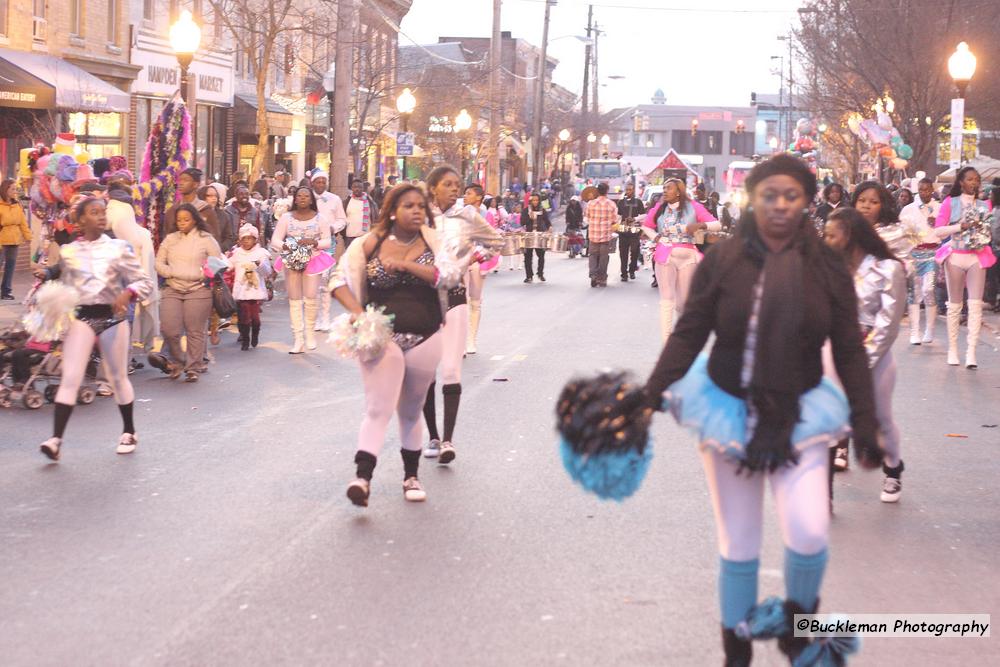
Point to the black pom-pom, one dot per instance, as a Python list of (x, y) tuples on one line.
[(603, 414)]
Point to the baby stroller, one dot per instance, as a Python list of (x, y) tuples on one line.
[(30, 375), (575, 242)]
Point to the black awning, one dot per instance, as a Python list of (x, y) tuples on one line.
[(22, 90), (72, 88)]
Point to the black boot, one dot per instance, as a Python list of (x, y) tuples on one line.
[(788, 643), (254, 334), (738, 651), (244, 336)]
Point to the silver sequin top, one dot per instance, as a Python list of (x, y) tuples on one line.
[(881, 288), (101, 269)]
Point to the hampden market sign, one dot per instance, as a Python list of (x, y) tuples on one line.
[(161, 76)]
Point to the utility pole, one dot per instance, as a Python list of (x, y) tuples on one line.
[(340, 163), (585, 125), (597, 81), (493, 165), (538, 152)]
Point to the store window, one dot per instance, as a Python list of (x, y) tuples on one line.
[(99, 134), (210, 140), (219, 142), (114, 13), (146, 112), (148, 10), (201, 139), (3, 18), (76, 17), (39, 25)]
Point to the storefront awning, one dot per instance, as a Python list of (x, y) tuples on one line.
[(22, 90), (68, 87), (279, 119)]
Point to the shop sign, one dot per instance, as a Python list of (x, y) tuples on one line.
[(161, 75)]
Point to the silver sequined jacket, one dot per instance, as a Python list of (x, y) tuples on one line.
[(881, 288), (100, 270)]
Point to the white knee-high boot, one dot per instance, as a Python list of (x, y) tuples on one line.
[(666, 318), (972, 337), (310, 322), (295, 314), (323, 321), (475, 312), (914, 315), (930, 312), (954, 320)]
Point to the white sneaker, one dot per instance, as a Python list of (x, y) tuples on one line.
[(840, 459), (51, 448), (413, 491), (447, 453), (127, 443), (358, 491), (432, 449), (892, 488)]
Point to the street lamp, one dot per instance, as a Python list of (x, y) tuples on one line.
[(961, 67), (185, 37), (463, 121), (773, 143), (405, 104), (564, 135), (564, 138), (329, 85)]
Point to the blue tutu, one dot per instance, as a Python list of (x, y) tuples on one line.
[(720, 419)]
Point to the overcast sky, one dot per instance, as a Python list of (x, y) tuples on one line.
[(711, 52)]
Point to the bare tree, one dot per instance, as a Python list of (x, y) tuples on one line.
[(266, 33), (855, 52)]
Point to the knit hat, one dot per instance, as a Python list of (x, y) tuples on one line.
[(117, 162), (249, 230), (84, 174), (102, 167)]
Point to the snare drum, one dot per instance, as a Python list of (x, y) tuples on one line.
[(512, 245), (558, 243), (535, 241)]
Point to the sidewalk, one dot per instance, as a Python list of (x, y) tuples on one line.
[(11, 311)]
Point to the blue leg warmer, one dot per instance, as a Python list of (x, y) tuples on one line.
[(737, 589), (803, 577)]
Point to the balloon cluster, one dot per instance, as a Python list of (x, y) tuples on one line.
[(880, 136), (57, 175), (805, 143)]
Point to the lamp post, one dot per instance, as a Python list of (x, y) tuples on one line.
[(961, 67), (605, 140), (463, 121), (591, 139), (564, 138), (405, 104), (185, 37), (330, 85)]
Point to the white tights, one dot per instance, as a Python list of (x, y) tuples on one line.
[(962, 271), (674, 276), (76, 348), (800, 497), (884, 381), (456, 329), (397, 381), (300, 285), (474, 283)]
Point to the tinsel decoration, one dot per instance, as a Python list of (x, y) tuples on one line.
[(979, 234), (168, 152), (366, 337), (604, 423), (293, 256), (51, 311)]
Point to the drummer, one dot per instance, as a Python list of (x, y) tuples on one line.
[(630, 208), (534, 218)]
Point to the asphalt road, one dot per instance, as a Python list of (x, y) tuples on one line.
[(226, 538)]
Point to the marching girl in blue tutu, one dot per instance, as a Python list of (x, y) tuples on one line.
[(772, 295)]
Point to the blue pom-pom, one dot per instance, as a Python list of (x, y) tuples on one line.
[(766, 620), (614, 475)]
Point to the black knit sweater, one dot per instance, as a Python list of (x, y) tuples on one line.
[(720, 301)]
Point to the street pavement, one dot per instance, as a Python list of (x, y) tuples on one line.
[(226, 539)]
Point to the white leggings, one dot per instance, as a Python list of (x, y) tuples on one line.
[(76, 348), (962, 271), (300, 285), (800, 497), (397, 381), (674, 276), (474, 283), (456, 329), (884, 381)]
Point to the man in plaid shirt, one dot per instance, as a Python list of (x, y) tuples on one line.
[(601, 216)]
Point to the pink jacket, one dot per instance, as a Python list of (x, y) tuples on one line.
[(944, 228), (697, 213)]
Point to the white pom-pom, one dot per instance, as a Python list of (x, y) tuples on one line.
[(52, 312), (366, 337)]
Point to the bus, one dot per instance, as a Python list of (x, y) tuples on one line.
[(610, 171)]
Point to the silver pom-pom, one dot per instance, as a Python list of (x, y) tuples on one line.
[(366, 337), (52, 310)]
